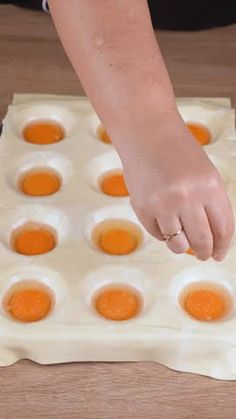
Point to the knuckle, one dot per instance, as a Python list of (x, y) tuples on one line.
[(179, 193), (145, 203), (212, 180)]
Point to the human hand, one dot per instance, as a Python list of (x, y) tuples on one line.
[(172, 183), (174, 186)]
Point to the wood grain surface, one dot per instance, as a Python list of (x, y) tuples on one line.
[(32, 60)]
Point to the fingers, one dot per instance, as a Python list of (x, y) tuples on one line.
[(221, 221), (207, 231), (197, 228), (149, 223), (170, 224)]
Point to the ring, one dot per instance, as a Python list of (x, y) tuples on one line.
[(167, 237)]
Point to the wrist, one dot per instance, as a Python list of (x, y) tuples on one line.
[(138, 132)]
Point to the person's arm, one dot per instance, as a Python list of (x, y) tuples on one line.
[(113, 49), (172, 184)]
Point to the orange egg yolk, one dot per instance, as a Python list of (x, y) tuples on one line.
[(35, 241), (114, 185), (118, 241), (43, 132), (117, 304), (200, 132), (205, 305), (29, 305), (103, 136), (190, 251), (40, 183)]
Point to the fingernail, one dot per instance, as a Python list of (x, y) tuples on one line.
[(202, 258), (218, 257)]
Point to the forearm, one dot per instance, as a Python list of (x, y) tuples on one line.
[(113, 49), (172, 185)]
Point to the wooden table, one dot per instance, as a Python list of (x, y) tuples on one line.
[(32, 60)]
